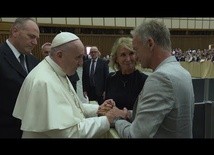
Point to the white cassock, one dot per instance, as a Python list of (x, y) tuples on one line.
[(48, 106)]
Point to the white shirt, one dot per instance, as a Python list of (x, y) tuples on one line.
[(16, 53)]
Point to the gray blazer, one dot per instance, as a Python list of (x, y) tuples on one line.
[(165, 106)]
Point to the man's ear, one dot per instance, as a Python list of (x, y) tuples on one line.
[(59, 54), (15, 31), (151, 43)]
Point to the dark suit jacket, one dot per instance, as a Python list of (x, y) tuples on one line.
[(12, 76), (73, 79), (100, 74)]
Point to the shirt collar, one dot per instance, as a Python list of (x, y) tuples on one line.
[(94, 60), (14, 50)]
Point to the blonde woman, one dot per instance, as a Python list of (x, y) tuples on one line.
[(125, 84)]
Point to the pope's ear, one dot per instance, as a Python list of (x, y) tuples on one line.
[(59, 54)]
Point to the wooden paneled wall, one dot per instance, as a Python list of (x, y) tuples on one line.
[(43, 38), (105, 42)]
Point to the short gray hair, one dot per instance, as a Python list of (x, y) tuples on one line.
[(20, 22), (156, 30)]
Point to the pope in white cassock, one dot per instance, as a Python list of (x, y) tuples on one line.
[(47, 104)]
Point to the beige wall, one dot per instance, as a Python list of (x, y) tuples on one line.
[(177, 23)]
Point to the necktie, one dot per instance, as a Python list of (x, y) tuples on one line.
[(22, 61), (92, 74), (92, 68)]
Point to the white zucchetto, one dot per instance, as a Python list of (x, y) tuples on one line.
[(62, 38)]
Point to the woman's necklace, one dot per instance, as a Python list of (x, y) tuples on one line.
[(124, 83), (124, 78)]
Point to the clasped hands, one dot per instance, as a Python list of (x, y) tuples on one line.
[(109, 109)]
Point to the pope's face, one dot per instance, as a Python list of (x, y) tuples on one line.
[(73, 57)]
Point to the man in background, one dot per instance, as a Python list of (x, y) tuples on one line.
[(16, 61), (45, 49), (94, 74)]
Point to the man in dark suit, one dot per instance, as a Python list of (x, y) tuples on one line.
[(13, 70), (94, 76)]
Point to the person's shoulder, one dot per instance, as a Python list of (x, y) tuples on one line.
[(33, 58), (3, 45), (4, 48), (141, 74), (102, 60), (112, 75), (87, 61)]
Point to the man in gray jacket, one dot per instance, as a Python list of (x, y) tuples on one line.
[(165, 106)]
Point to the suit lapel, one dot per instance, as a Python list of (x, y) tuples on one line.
[(11, 59)]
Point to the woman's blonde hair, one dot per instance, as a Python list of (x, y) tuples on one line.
[(120, 42)]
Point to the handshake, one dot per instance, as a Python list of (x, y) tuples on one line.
[(109, 109)]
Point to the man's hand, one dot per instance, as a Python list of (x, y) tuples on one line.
[(105, 107), (116, 113)]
